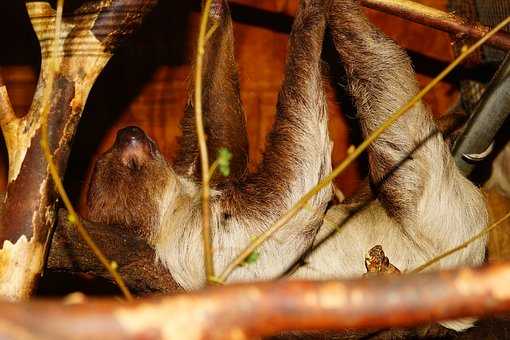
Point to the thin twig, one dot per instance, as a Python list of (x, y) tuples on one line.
[(484, 232), (213, 168), (352, 156), (211, 31), (204, 158), (73, 216)]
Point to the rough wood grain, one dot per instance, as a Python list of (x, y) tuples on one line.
[(134, 257), (87, 38), (251, 310)]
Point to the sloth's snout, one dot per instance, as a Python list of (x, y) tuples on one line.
[(130, 136), (135, 147)]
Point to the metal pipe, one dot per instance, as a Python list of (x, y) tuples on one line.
[(493, 109)]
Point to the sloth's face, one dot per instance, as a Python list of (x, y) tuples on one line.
[(129, 182)]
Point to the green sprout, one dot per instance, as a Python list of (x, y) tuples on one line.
[(224, 157), (252, 258)]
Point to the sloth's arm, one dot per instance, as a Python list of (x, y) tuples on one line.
[(411, 170), (224, 119), (298, 147), (381, 80)]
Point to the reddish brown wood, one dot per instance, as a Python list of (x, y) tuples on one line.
[(249, 310), (438, 19)]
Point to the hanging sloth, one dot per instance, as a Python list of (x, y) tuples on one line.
[(415, 204)]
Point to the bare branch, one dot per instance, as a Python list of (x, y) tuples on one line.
[(8, 121), (87, 38), (435, 18), (135, 259), (6, 111), (204, 157), (405, 9), (249, 310)]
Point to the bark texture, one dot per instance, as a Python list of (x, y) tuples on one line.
[(255, 309), (135, 259), (87, 38)]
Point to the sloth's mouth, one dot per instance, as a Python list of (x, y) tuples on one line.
[(135, 147)]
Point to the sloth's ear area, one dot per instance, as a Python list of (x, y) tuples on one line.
[(134, 147)]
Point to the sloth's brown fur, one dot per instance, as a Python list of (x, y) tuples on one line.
[(419, 205)]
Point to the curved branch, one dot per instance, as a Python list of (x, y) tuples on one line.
[(135, 259), (87, 38), (250, 310)]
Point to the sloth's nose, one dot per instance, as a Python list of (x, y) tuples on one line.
[(134, 146), (131, 136)]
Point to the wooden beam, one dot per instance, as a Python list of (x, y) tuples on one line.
[(258, 309)]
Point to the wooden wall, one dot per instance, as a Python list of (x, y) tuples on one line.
[(145, 83)]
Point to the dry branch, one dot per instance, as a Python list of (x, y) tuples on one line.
[(249, 310), (405, 9), (435, 18), (135, 259), (88, 37), (6, 112), (204, 157)]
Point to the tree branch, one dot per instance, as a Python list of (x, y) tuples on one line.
[(249, 310), (135, 259), (6, 111), (435, 18), (405, 9), (204, 157), (87, 38)]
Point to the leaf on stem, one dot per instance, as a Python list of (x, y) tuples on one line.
[(224, 157)]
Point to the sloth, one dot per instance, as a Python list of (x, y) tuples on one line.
[(133, 184), (415, 203)]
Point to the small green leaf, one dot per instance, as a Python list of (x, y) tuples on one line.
[(224, 157), (252, 258)]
